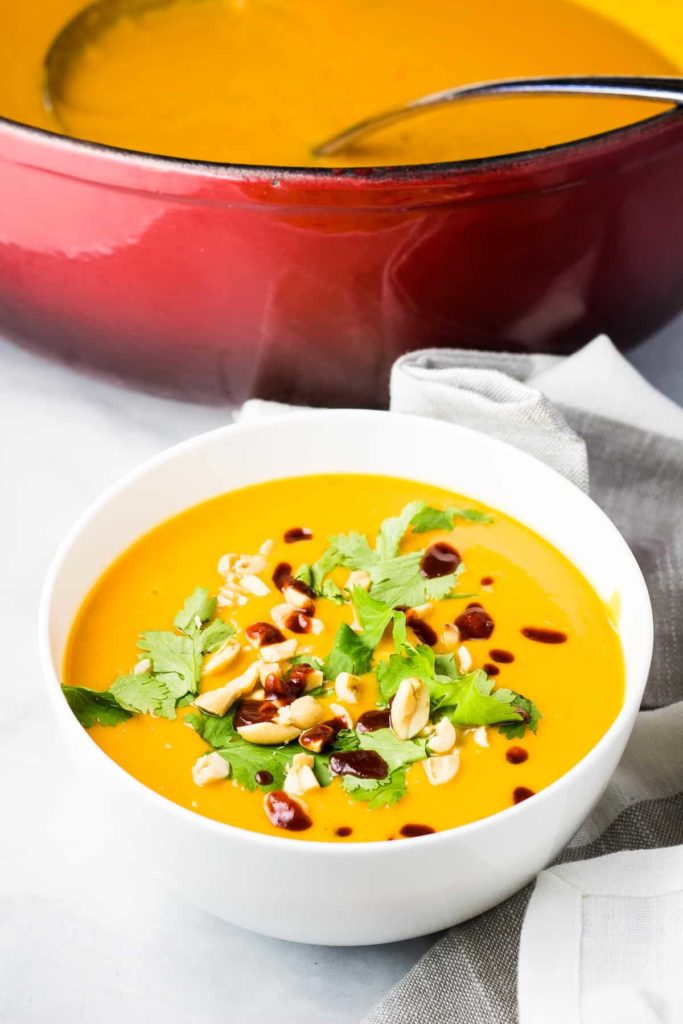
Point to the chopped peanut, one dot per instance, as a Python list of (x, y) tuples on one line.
[(346, 687), (210, 768), (300, 776), (410, 708), (442, 769)]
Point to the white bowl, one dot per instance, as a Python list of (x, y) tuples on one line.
[(365, 892)]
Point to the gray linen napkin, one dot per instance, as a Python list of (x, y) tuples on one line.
[(470, 975)]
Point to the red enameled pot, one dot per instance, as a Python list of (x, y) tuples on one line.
[(220, 282)]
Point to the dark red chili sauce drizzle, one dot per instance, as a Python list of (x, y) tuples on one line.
[(251, 712), (318, 737), (475, 623), (297, 533), (491, 669), (336, 724), (298, 622), (521, 793), (486, 581), (301, 587), (300, 673), (263, 777), (264, 633), (288, 687), (439, 559), (502, 657), (284, 812), (343, 831), (516, 755), (422, 630), (411, 831), (282, 573), (362, 764), (544, 636), (371, 721)]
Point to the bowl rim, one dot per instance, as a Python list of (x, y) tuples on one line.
[(392, 173), (190, 818)]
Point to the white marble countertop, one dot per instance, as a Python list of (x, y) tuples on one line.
[(85, 935)]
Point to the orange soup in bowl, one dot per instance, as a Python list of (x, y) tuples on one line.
[(344, 658)]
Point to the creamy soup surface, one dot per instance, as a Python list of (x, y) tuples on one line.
[(353, 658), (263, 81)]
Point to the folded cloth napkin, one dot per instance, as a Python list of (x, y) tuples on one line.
[(600, 931)]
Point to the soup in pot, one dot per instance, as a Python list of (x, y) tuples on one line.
[(263, 81)]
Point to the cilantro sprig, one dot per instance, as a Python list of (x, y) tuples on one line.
[(396, 578), (398, 582), (246, 759), (94, 707), (530, 718), (444, 519), (469, 699), (175, 668)]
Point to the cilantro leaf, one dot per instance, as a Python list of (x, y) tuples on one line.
[(246, 759), (321, 769), (412, 661), (472, 701), (333, 592), (144, 694), (374, 615), (429, 518), (349, 653), (215, 634), (352, 651), (348, 549), (196, 620), (392, 530), (377, 793), (94, 707), (516, 730), (305, 574), (175, 659), (396, 752), (346, 739), (314, 575), (399, 632), (444, 665), (199, 605), (353, 550), (399, 582), (217, 732)]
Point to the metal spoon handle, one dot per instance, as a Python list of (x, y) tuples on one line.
[(657, 89)]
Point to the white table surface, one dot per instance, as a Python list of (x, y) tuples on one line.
[(84, 935)]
